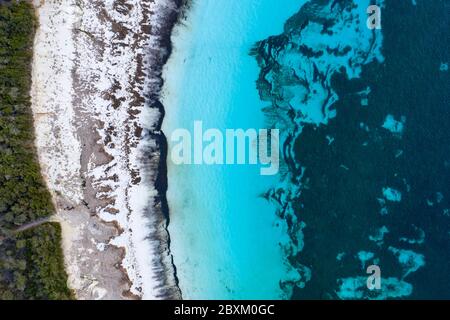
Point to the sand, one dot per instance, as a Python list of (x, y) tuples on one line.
[(97, 135)]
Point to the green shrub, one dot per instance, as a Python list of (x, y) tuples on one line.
[(31, 262)]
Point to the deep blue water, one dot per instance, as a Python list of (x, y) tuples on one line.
[(375, 186)]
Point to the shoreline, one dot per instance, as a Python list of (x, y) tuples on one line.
[(162, 183), (115, 241)]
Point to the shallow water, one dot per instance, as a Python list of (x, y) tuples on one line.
[(225, 238)]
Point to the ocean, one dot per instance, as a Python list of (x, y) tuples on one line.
[(365, 169), (225, 236)]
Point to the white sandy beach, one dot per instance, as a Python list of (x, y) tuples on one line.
[(94, 134)]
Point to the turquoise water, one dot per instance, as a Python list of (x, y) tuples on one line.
[(225, 237), (367, 180)]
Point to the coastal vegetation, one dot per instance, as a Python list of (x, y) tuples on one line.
[(31, 260)]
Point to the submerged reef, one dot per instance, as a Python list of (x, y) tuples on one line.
[(353, 127), (323, 39)]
